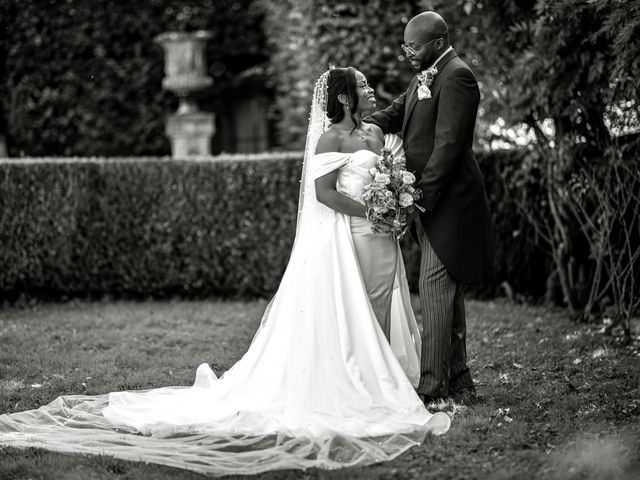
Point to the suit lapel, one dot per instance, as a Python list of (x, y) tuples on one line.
[(413, 99), (413, 88)]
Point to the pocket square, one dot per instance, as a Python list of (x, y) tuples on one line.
[(423, 92)]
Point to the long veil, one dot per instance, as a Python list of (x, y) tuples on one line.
[(318, 124), (303, 395)]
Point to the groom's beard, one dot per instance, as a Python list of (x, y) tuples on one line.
[(423, 62), (418, 65)]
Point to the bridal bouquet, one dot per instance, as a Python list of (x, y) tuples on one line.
[(390, 197)]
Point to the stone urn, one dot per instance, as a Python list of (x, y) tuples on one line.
[(189, 129)]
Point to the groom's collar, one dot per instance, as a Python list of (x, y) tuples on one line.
[(442, 60), (450, 49)]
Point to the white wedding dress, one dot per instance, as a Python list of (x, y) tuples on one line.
[(320, 385)]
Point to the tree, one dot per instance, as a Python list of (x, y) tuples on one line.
[(575, 62)]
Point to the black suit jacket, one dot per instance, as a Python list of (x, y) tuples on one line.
[(438, 137)]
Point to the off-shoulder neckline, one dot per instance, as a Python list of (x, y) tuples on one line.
[(350, 153)]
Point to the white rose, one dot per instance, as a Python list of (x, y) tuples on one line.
[(408, 178), (406, 200), (382, 178), (380, 209)]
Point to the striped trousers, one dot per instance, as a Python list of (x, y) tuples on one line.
[(443, 363)]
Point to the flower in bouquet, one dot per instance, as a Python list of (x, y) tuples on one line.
[(405, 199), (408, 178), (382, 178), (390, 197)]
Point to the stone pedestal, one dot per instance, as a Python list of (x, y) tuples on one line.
[(190, 134)]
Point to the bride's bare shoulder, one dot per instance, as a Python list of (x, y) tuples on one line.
[(330, 141)]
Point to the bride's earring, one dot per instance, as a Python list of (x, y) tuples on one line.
[(341, 100)]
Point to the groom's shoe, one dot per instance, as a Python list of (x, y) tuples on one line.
[(467, 396), (431, 399), (437, 404)]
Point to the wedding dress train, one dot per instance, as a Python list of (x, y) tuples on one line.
[(320, 385)]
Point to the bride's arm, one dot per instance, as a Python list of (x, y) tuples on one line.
[(327, 194), (326, 191)]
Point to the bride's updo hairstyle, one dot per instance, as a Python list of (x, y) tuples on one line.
[(341, 81)]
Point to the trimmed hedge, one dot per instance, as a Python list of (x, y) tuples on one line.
[(145, 227), (211, 227)]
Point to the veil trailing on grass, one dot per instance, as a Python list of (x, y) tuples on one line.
[(319, 386)]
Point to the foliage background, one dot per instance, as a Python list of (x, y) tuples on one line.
[(84, 78), (567, 60)]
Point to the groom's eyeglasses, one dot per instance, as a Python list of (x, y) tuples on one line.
[(413, 51)]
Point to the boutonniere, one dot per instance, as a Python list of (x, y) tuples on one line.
[(425, 79)]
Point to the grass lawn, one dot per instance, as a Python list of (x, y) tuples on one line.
[(557, 400)]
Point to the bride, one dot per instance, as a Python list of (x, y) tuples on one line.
[(328, 380)]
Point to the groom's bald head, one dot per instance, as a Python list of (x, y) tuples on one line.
[(426, 26)]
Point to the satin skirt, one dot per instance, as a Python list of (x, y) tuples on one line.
[(377, 257)]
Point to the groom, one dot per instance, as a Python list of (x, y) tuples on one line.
[(436, 117)]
